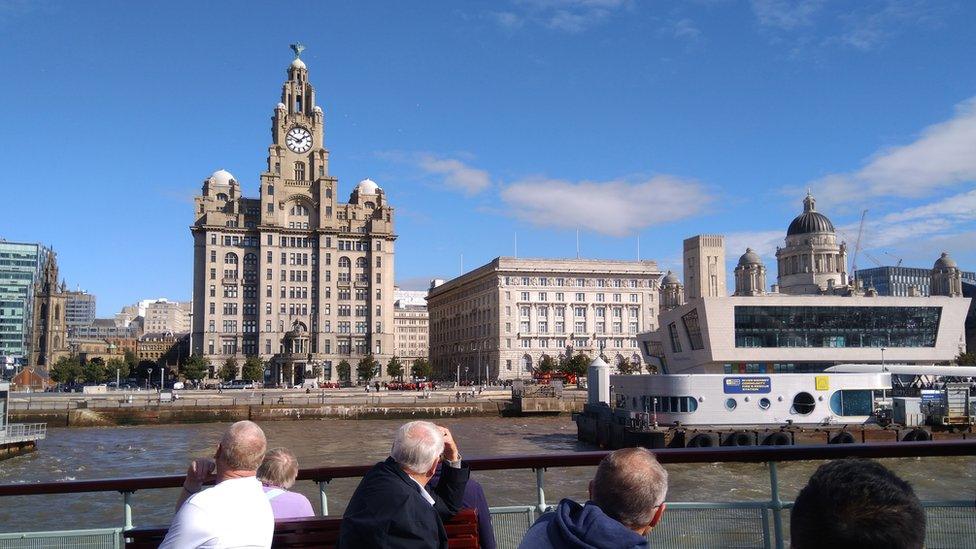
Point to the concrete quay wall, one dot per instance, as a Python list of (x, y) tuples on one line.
[(166, 413)]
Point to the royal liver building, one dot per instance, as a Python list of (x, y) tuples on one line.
[(294, 276)]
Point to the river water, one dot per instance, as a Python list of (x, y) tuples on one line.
[(113, 452)]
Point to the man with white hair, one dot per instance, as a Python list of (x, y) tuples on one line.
[(626, 503), (235, 512), (392, 508)]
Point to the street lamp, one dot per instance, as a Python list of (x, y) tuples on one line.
[(148, 377)]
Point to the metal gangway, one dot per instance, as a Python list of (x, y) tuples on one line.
[(697, 524)]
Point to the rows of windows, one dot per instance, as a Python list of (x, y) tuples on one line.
[(797, 326), (578, 282), (579, 297)]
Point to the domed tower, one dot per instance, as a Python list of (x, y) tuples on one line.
[(672, 292), (946, 277), (812, 262), (750, 274)]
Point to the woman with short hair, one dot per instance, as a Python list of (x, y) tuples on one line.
[(277, 474)]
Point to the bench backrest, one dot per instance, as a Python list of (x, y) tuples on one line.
[(462, 533)]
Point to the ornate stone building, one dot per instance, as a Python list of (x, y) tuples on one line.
[(410, 325), (704, 266), (946, 277), (672, 292), (750, 274), (294, 276), (499, 320), (812, 262), (49, 335)]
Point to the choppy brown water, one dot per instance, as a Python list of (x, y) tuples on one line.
[(77, 454)]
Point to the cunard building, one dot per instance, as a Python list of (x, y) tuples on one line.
[(294, 276)]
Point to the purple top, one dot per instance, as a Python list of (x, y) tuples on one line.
[(286, 505)]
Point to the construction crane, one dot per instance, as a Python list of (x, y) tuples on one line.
[(857, 247), (895, 257)]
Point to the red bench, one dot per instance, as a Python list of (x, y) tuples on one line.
[(462, 533)]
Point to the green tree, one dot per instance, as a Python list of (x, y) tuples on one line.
[(576, 365), (130, 360), (421, 368), (547, 365), (394, 368), (228, 371), (344, 369), (117, 365), (626, 367), (66, 370), (195, 368), (366, 369), (253, 369), (94, 370), (966, 359), (316, 370)]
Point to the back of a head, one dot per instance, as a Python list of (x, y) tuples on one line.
[(417, 445), (279, 468), (628, 485), (242, 446), (857, 503)]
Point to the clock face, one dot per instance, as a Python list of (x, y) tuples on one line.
[(299, 139)]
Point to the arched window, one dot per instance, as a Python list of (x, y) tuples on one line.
[(361, 263), (345, 269), (230, 259), (527, 363), (221, 196), (300, 171), (250, 260), (230, 266)]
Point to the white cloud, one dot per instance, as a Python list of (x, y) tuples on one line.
[(786, 14), (456, 174), (617, 208), (571, 16), (943, 156)]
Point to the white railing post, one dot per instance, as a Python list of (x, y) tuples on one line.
[(323, 498), (127, 510), (540, 489), (776, 505)]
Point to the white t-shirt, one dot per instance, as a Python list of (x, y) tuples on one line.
[(234, 513)]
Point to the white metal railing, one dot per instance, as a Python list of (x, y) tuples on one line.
[(16, 432)]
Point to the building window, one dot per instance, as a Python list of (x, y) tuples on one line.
[(525, 296), (693, 329), (673, 334), (300, 171)]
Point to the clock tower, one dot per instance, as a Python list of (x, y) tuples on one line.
[(307, 280)]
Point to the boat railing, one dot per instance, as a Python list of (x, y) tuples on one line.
[(22, 432), (745, 523)]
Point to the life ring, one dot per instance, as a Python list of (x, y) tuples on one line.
[(843, 437), (778, 439), (701, 440), (917, 435)]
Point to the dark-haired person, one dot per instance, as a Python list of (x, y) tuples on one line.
[(626, 503), (857, 503)]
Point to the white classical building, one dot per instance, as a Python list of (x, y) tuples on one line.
[(501, 319)]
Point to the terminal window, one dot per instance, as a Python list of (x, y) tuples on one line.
[(804, 326)]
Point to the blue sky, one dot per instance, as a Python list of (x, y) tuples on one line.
[(480, 119)]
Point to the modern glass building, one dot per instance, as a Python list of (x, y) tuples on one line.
[(20, 266), (897, 281)]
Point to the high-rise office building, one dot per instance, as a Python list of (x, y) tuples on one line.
[(79, 309), (21, 265)]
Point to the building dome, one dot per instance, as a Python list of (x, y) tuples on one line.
[(945, 262), (367, 186), (750, 258), (297, 64), (810, 221), (670, 278), (222, 177)]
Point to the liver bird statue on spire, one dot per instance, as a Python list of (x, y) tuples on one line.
[(298, 48)]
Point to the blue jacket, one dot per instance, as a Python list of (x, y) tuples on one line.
[(573, 525), (474, 498), (388, 510)]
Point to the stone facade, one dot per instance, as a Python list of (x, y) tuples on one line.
[(167, 316), (499, 320), (410, 325), (49, 340), (812, 262), (294, 276), (750, 275), (163, 348), (704, 266)]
